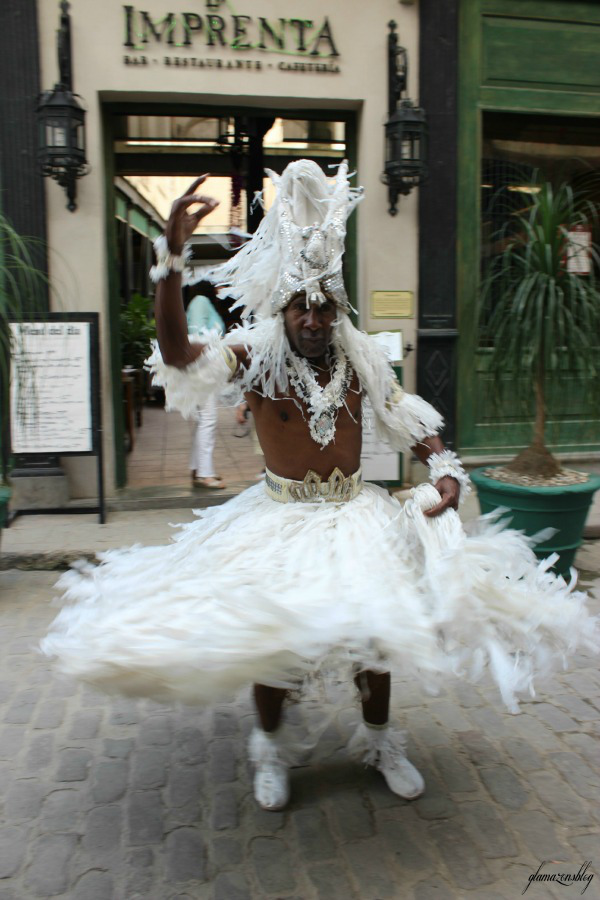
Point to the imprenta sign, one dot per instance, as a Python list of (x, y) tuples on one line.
[(299, 37)]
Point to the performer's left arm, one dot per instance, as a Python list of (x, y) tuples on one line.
[(447, 486)]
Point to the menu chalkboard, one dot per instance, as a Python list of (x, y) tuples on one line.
[(51, 401), (55, 392)]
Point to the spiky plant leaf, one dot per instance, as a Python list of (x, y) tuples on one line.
[(23, 293)]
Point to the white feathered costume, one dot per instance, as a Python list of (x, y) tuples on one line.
[(256, 590)]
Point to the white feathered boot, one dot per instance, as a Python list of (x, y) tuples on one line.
[(384, 748), (271, 775)]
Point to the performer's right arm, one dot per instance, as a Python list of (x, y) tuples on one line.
[(171, 323)]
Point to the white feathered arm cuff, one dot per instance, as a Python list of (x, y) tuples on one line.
[(187, 389), (167, 262), (448, 463)]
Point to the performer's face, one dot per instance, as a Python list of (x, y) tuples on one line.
[(308, 328)]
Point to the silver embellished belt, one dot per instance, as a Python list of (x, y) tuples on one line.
[(336, 489)]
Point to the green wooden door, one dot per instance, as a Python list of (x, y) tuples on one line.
[(529, 93)]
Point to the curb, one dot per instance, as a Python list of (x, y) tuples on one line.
[(44, 562)]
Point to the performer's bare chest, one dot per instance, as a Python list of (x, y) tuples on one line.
[(283, 430)]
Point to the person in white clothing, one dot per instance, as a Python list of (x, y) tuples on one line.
[(202, 318)]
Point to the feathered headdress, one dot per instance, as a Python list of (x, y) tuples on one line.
[(298, 246)]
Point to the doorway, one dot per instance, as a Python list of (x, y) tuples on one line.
[(152, 154)]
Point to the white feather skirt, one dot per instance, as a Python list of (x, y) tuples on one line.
[(258, 591)]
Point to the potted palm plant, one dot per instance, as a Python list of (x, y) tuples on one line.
[(540, 319), (138, 329), (23, 292)]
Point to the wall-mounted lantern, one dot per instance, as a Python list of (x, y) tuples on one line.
[(405, 129), (61, 122)]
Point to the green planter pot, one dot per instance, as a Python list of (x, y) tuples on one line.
[(564, 508)]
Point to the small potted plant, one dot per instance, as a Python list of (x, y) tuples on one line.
[(138, 329), (540, 318)]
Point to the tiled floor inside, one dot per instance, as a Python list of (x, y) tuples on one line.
[(160, 457)]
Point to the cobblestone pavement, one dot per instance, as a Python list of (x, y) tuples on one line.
[(110, 798)]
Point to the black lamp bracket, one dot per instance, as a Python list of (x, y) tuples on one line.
[(67, 179), (63, 36), (397, 69)]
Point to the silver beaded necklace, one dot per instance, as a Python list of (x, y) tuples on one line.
[(323, 402)]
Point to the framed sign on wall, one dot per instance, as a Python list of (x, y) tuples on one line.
[(392, 305)]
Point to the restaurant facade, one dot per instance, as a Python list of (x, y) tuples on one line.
[(173, 89)]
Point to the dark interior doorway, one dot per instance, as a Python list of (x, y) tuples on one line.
[(154, 153)]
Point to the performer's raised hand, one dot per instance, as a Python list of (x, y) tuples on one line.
[(182, 223)]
